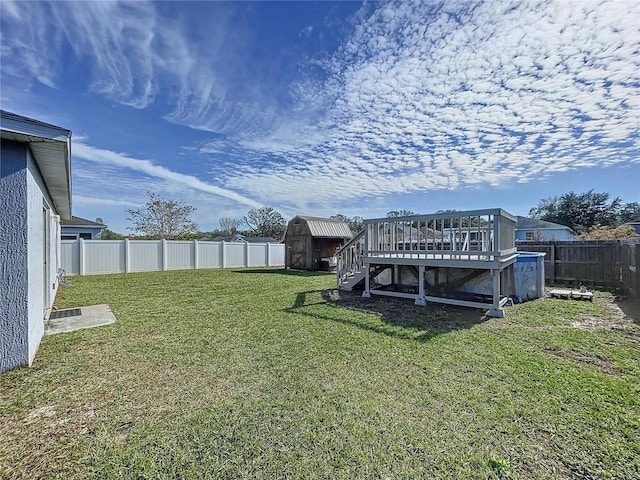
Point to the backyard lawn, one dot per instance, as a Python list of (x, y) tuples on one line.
[(273, 374)]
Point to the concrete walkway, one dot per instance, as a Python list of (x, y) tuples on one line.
[(73, 319)]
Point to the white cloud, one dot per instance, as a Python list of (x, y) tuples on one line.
[(147, 167), (100, 201), (420, 96), (464, 98)]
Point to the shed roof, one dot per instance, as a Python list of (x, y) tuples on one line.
[(526, 223), (326, 227), (51, 150)]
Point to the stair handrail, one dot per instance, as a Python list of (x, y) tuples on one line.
[(350, 257)]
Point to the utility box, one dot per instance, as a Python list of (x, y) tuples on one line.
[(529, 275)]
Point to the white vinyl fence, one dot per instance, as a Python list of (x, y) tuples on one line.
[(94, 257)]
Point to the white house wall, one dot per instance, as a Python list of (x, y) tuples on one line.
[(42, 291)]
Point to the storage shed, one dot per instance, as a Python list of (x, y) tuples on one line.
[(311, 242)]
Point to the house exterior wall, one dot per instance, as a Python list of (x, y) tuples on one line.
[(84, 232), (14, 322), (543, 234), (43, 253), (30, 249)]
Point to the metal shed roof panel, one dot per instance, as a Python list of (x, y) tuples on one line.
[(327, 227)]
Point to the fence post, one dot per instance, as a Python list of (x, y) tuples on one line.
[(246, 254), (552, 262), (164, 254), (636, 253), (268, 254), (81, 258), (195, 254), (223, 254), (127, 256)]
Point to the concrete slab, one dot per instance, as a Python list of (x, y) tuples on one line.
[(70, 320), (572, 294)]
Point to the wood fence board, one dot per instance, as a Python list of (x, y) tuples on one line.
[(609, 263)]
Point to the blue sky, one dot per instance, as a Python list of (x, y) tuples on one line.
[(319, 108)]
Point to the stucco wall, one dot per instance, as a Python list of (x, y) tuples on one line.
[(14, 322), (22, 253)]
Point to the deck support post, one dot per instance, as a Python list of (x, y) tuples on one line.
[(496, 310), (367, 290), (422, 299)]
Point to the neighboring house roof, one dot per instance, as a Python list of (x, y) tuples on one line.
[(326, 227), (51, 150), (526, 223), (81, 222), (242, 238), (258, 239)]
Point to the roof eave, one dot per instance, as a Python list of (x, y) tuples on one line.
[(51, 150)]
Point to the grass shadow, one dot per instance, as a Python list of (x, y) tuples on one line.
[(283, 271), (630, 307), (395, 317)]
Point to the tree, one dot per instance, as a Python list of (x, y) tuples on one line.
[(229, 227), (111, 235), (609, 233), (160, 218), (580, 212), (629, 212), (355, 223), (265, 222), (400, 213)]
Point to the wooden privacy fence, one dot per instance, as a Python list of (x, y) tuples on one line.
[(94, 257), (608, 263)]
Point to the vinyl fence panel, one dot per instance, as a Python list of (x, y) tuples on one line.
[(101, 256), (92, 257), (235, 255), (70, 257), (144, 255), (209, 255), (179, 255)]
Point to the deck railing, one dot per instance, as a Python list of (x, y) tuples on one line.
[(350, 258), (479, 235)]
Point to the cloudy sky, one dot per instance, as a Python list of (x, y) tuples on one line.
[(327, 107)]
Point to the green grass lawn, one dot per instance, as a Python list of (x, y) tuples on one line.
[(272, 374)]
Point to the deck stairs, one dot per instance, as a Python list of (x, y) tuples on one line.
[(351, 271)]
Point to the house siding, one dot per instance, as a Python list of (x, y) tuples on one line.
[(14, 321), (544, 234)]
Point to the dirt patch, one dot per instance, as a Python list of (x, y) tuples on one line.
[(614, 318), (605, 365), (403, 312)]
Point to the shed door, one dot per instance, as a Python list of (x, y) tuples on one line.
[(296, 253)]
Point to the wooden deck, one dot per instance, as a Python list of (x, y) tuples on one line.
[(482, 240)]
